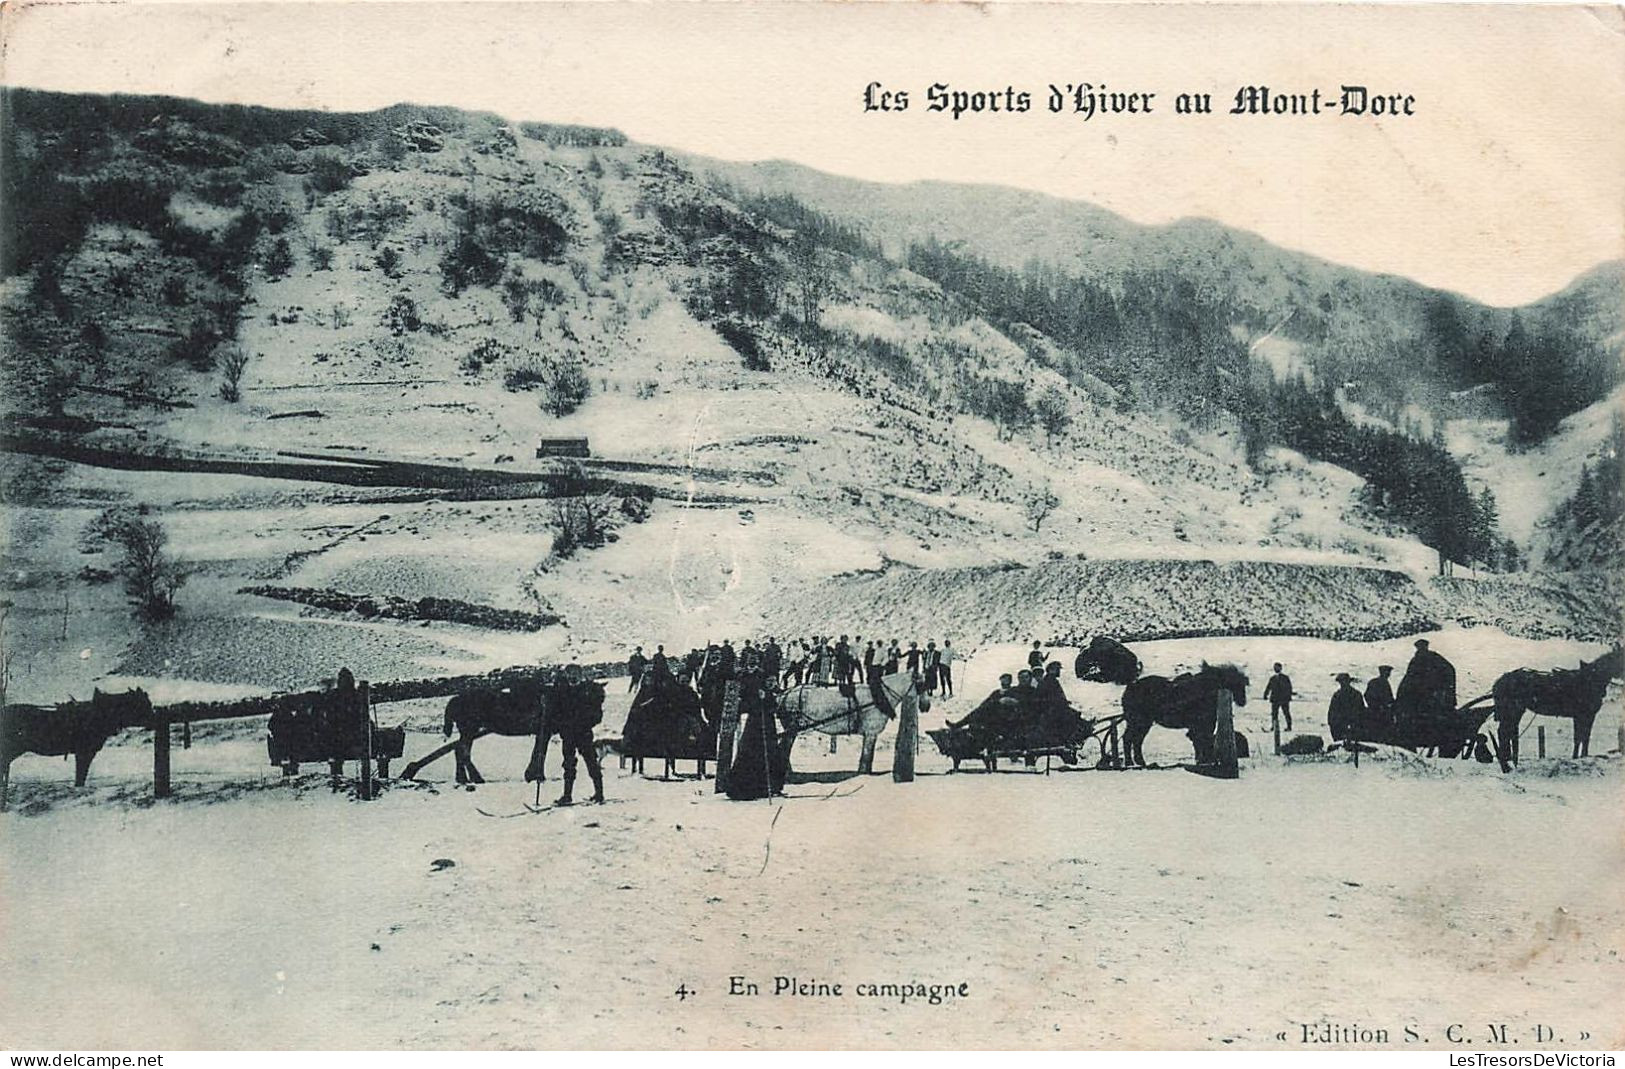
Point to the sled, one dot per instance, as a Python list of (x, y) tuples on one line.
[(1028, 744)]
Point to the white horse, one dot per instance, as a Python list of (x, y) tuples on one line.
[(826, 709)]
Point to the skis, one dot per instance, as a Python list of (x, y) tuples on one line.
[(535, 810), (528, 810)]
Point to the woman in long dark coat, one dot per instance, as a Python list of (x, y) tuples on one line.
[(757, 771)]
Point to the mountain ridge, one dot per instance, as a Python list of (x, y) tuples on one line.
[(1349, 324), (775, 167)]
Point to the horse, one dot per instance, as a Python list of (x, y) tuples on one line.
[(77, 728), (1186, 701), (843, 711), (1572, 693), (516, 710), (1106, 660)]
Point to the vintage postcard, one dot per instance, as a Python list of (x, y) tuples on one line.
[(811, 525)]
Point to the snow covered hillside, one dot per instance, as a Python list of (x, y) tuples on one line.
[(1531, 483), (321, 353)]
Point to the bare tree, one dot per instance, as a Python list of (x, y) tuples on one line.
[(1040, 502), (1053, 410), (564, 386), (583, 522), (151, 576), (1006, 406), (231, 372)]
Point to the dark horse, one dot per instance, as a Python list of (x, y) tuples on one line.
[(1572, 693), (516, 710), (1188, 701), (78, 728)]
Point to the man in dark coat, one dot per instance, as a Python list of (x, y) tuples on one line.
[(1035, 657), (1030, 723), (997, 712), (1429, 687), (1379, 696), (1345, 717), (1049, 685), (1278, 692), (659, 663), (342, 723), (772, 660), (929, 663), (1059, 719), (635, 665), (578, 708)]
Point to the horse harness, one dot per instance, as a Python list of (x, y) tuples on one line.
[(854, 706)]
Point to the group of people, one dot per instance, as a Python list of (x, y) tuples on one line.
[(1428, 688), (659, 725), (822, 660), (1029, 709)]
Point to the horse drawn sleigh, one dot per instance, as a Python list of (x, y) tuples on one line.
[(1438, 728), (335, 726), (1426, 719), (670, 722), (1010, 737), (1034, 720), (1023, 723)]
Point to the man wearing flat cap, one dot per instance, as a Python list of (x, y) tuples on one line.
[(1379, 696), (1346, 715)]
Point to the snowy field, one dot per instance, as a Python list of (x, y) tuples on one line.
[(1081, 909)]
